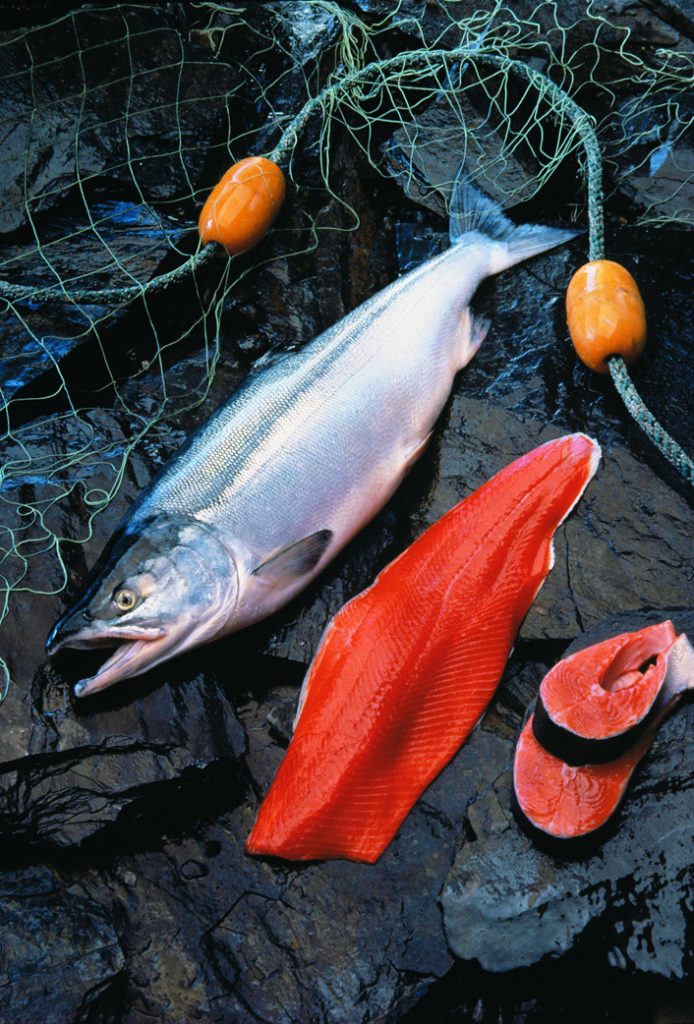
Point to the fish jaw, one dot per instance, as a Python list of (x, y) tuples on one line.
[(139, 649), (132, 658), (78, 631)]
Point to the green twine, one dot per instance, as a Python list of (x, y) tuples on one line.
[(626, 390), (647, 421), (562, 105), (58, 292)]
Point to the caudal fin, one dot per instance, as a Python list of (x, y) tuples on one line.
[(472, 211)]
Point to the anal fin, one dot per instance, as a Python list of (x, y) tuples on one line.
[(413, 453), (473, 331)]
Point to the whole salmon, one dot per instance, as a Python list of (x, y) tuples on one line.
[(276, 482), (406, 669)]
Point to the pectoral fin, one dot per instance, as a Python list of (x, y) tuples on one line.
[(295, 560)]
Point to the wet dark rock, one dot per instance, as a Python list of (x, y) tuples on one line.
[(417, 243), (31, 344), (676, 12), (84, 770), (94, 95), (61, 960), (193, 869), (309, 30), (41, 343), (71, 769), (130, 237), (425, 157), (664, 187), (254, 940), (507, 904), (546, 994)]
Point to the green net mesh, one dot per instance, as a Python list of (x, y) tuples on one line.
[(119, 119)]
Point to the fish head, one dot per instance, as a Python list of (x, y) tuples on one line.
[(159, 588)]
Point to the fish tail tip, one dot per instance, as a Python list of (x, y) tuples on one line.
[(471, 210), (594, 448), (582, 444)]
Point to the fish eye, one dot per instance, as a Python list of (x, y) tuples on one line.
[(124, 599)]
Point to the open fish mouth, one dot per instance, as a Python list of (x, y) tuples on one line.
[(138, 648), (132, 658)]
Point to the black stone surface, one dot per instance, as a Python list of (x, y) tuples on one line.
[(61, 959)]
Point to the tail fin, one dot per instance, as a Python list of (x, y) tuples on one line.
[(472, 211)]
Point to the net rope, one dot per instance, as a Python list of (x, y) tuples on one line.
[(504, 90)]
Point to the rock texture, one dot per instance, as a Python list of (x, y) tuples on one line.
[(70, 94), (61, 960), (508, 904)]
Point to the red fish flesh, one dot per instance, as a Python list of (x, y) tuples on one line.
[(593, 704), (568, 802), (406, 669)]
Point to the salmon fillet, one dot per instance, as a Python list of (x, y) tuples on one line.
[(405, 670)]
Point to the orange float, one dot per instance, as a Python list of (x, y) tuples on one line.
[(242, 206), (606, 314)]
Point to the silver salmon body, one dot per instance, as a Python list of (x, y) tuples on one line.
[(276, 482)]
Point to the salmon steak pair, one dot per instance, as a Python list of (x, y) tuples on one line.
[(596, 716)]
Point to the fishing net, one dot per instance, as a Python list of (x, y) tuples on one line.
[(117, 121)]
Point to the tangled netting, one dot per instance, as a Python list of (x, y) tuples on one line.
[(118, 120)]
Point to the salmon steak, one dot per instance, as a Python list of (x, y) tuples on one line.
[(568, 802), (406, 669), (592, 705)]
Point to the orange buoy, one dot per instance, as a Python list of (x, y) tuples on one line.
[(241, 207), (606, 314)]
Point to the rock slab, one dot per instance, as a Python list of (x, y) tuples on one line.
[(59, 951)]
